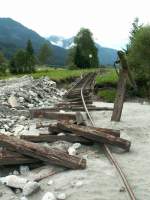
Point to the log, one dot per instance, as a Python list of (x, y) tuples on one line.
[(96, 136), (54, 129), (66, 108), (12, 158), (54, 138), (121, 88), (52, 156), (52, 115)]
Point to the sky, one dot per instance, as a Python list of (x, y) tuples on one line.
[(110, 21)]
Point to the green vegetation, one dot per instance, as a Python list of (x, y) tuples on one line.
[(109, 77), (60, 74), (44, 54), (139, 56), (23, 61), (107, 95), (3, 64), (84, 53)]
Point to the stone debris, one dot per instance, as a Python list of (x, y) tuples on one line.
[(50, 182), (72, 151), (13, 101), (24, 170), (17, 182), (23, 198), (61, 196), (30, 187), (14, 181), (49, 196), (18, 95)]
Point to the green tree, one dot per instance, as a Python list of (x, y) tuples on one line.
[(18, 62), (139, 56), (44, 54), (85, 52), (30, 58), (3, 65)]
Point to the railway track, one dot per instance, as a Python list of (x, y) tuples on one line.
[(81, 93)]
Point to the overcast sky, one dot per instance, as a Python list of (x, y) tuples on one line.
[(109, 20)]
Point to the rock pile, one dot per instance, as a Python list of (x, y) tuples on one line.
[(18, 95), (26, 92)]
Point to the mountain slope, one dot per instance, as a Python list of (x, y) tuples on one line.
[(14, 35), (107, 56)]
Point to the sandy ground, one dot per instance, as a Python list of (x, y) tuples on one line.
[(100, 181)]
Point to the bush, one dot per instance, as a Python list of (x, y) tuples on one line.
[(3, 69), (107, 95)]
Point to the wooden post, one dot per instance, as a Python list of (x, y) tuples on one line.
[(121, 88)]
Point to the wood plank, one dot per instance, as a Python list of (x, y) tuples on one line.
[(52, 156)]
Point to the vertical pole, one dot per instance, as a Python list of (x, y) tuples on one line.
[(121, 88)]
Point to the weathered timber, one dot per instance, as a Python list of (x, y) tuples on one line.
[(121, 88), (54, 129), (91, 108), (54, 138), (52, 115), (13, 158), (74, 103), (97, 136), (52, 156)]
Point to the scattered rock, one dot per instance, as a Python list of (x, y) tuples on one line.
[(78, 184), (50, 182), (13, 101), (76, 145), (23, 198), (30, 187), (61, 134), (24, 170), (72, 151), (61, 196), (14, 181), (49, 196), (15, 172)]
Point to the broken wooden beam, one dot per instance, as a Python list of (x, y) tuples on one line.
[(96, 136), (52, 115), (51, 156), (13, 158), (54, 138)]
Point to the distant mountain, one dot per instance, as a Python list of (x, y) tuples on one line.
[(107, 56), (61, 41), (14, 35)]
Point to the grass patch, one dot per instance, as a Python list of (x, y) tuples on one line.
[(55, 74), (61, 74), (107, 95), (109, 77)]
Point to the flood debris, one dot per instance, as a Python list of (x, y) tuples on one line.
[(96, 135)]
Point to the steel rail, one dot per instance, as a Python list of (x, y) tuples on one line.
[(108, 152)]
